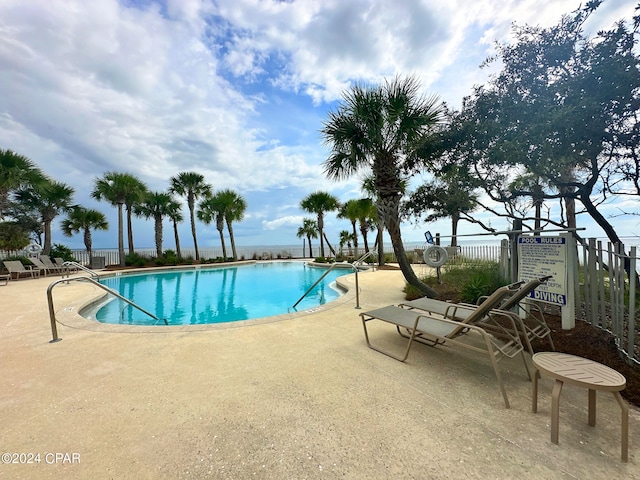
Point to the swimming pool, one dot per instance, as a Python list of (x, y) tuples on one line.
[(217, 295)]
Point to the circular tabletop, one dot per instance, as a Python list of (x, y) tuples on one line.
[(579, 371)]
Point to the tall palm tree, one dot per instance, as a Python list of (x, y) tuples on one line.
[(212, 208), (49, 199), (350, 211), (174, 212), (235, 206), (320, 203), (116, 188), (16, 171), (155, 205), (84, 220), (192, 186), (309, 229), (136, 193), (382, 128)]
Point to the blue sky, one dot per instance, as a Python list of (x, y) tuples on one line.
[(234, 89)]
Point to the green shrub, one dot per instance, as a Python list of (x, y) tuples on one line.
[(62, 251), (462, 283), (135, 260)]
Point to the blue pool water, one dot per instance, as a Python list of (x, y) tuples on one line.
[(217, 295)]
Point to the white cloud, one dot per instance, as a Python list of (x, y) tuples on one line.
[(234, 89)]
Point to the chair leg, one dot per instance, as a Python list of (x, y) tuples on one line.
[(389, 354)]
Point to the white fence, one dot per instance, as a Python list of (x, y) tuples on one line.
[(608, 293)]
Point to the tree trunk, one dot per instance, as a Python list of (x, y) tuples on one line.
[(355, 239), (220, 227), (331, 249), (380, 243), (121, 237), (88, 244), (389, 210), (158, 232), (365, 240), (310, 251), (454, 230), (177, 237), (191, 203), (129, 231), (233, 241), (46, 250), (321, 231)]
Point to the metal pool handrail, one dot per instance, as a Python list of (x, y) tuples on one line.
[(79, 267), (353, 265), (52, 313)]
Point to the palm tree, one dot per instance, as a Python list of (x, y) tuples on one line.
[(382, 128), (367, 218), (309, 229), (350, 211), (116, 188), (135, 194), (212, 208), (233, 207), (155, 205), (49, 199), (16, 171), (84, 220), (345, 239), (174, 212), (320, 203), (192, 186)]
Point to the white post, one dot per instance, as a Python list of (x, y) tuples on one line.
[(571, 283)]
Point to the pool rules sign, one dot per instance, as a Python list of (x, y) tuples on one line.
[(554, 256)]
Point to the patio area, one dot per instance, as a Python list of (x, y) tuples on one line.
[(297, 396)]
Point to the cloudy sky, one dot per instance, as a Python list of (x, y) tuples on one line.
[(234, 89)]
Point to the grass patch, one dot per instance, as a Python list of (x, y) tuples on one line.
[(462, 283)]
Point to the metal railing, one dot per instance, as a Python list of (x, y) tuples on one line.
[(52, 313), (78, 266), (354, 266)]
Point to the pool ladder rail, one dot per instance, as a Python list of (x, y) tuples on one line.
[(356, 266), (94, 275)]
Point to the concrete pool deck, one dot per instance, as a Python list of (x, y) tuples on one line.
[(301, 397)]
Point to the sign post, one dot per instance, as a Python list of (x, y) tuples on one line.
[(554, 256)]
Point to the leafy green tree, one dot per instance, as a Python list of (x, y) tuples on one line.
[(155, 205), (565, 109), (174, 212), (382, 129), (448, 195), (16, 171), (308, 230), (192, 186), (80, 219), (320, 203), (49, 199), (13, 236), (120, 189)]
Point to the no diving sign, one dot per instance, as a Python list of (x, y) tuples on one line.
[(541, 257)]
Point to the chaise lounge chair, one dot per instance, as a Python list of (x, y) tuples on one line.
[(17, 269), (531, 327), (38, 264), (437, 328), (51, 266)]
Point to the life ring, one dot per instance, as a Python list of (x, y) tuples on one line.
[(33, 249), (435, 256)]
